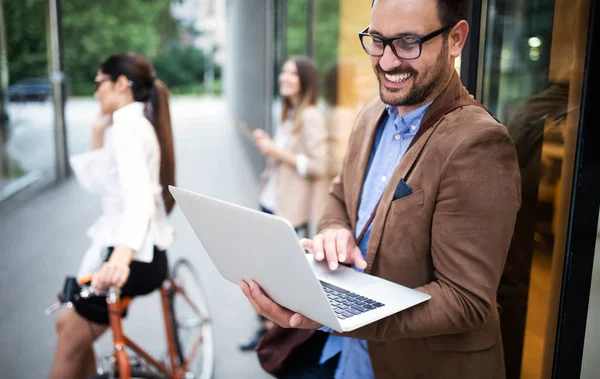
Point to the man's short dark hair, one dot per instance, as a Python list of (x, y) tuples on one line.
[(450, 11)]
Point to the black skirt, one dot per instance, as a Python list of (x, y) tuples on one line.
[(143, 279)]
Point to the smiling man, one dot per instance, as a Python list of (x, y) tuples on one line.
[(427, 198)]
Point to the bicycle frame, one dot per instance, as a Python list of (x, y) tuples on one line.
[(120, 340)]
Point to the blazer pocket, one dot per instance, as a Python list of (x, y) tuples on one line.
[(407, 202)]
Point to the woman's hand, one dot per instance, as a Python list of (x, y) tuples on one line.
[(264, 143), (115, 272), (102, 122)]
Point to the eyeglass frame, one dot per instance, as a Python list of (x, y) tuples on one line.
[(98, 83), (390, 41)]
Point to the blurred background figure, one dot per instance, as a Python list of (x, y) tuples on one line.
[(340, 116), (296, 157), (130, 164), (340, 112), (527, 129)]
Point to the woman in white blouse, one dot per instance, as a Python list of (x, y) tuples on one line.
[(297, 157), (130, 165)]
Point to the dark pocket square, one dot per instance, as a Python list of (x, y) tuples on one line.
[(402, 190)]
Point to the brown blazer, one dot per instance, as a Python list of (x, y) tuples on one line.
[(449, 238), (295, 200)]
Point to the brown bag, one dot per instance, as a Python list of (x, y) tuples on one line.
[(278, 344)]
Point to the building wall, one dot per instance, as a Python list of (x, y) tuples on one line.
[(249, 65)]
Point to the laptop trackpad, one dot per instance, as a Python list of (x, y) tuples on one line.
[(343, 276)]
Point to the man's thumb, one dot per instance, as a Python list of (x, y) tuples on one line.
[(359, 260)]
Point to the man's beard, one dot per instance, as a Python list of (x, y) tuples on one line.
[(421, 88)]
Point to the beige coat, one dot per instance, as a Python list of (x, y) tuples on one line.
[(449, 239), (295, 194)]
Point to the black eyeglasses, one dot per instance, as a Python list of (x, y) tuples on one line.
[(98, 82), (405, 47)]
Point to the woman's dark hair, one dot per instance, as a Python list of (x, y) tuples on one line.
[(309, 86), (147, 89)]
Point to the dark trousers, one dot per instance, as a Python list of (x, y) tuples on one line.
[(304, 364)]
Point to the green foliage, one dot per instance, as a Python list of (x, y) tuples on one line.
[(94, 30), (296, 28), (180, 66), (325, 32), (26, 38), (198, 88)]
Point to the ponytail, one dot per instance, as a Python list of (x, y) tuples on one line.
[(157, 111), (155, 95)]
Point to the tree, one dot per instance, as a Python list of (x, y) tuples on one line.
[(92, 31), (95, 30), (25, 22), (325, 32)]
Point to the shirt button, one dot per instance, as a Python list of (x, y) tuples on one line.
[(397, 136), (412, 127), (383, 178)]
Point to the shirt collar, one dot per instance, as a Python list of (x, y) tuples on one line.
[(405, 122), (134, 109)]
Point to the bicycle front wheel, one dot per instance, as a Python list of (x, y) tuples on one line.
[(191, 320)]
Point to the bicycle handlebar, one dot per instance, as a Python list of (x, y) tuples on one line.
[(74, 289)]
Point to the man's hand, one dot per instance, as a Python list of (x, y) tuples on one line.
[(336, 245), (273, 311)]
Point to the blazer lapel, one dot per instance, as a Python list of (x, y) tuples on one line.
[(402, 170), (362, 162)]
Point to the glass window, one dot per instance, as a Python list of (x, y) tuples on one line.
[(532, 77), (590, 364), (27, 151)]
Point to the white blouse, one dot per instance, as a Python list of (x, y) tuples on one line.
[(125, 172), (268, 195)]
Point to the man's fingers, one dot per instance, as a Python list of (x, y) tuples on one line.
[(318, 248), (359, 260), (276, 312), (247, 291), (342, 246), (271, 310), (331, 250), (295, 320), (307, 244), (299, 321), (265, 306)]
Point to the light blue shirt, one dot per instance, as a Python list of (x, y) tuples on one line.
[(398, 132)]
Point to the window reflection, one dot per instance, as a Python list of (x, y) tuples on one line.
[(532, 81)]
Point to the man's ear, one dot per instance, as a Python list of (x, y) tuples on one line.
[(458, 37)]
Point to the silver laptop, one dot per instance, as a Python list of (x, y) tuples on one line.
[(247, 244)]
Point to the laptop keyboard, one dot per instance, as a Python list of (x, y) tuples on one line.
[(347, 304)]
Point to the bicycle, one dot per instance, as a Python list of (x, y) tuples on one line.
[(185, 309)]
